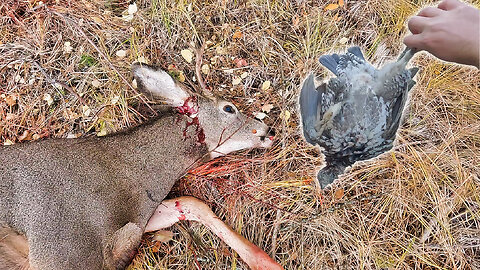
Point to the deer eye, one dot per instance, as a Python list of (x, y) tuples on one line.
[(228, 109)]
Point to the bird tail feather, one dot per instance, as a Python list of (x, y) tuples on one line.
[(330, 173)]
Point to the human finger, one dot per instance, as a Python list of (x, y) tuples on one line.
[(449, 4), (417, 24), (430, 12), (414, 41)]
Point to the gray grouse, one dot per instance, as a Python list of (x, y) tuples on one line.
[(355, 116)]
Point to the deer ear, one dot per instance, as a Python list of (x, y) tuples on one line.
[(157, 84)]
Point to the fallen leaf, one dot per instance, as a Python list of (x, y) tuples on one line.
[(244, 75), (240, 62), (162, 236), (128, 14), (48, 99), (10, 116), (11, 100), (220, 50), (331, 7), (18, 78), (267, 108), (132, 9), (266, 85), (67, 48), (187, 55), (97, 20), (121, 53), (343, 40), (205, 69), (260, 115), (8, 142), (237, 35), (285, 115), (236, 80), (86, 110), (338, 194), (103, 132), (142, 59), (341, 3), (181, 77), (26, 136), (114, 100), (96, 83)]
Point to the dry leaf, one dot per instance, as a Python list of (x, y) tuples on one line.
[(121, 53), (142, 59), (266, 85), (86, 110), (331, 7), (240, 62), (48, 99), (162, 236), (181, 77), (26, 136), (260, 115), (267, 108), (97, 20), (96, 83), (285, 115), (187, 55), (205, 69), (114, 100), (220, 50), (8, 142), (338, 194), (341, 3), (237, 35), (236, 80), (67, 48), (11, 100), (10, 116), (102, 132), (343, 40), (244, 75)]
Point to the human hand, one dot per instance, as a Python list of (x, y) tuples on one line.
[(450, 32)]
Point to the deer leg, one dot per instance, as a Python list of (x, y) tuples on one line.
[(120, 251), (190, 208), (13, 250)]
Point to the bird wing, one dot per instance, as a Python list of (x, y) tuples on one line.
[(393, 122), (310, 102)]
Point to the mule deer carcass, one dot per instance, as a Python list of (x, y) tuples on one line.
[(85, 203)]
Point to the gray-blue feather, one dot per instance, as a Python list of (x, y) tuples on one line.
[(355, 116)]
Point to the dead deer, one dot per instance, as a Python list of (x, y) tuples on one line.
[(85, 203)]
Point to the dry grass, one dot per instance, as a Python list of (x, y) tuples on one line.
[(415, 207)]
